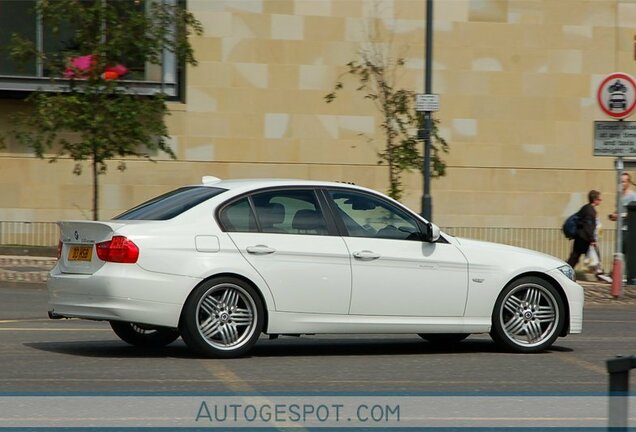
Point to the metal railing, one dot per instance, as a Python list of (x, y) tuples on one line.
[(14, 233), (547, 240)]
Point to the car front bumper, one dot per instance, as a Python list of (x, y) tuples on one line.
[(575, 298)]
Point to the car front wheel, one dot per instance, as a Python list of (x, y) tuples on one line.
[(528, 316), (143, 335), (222, 318)]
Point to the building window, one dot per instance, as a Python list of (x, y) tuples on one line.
[(20, 17)]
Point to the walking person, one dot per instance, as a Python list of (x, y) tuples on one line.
[(593, 258), (627, 196), (585, 229)]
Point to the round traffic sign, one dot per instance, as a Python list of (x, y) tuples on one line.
[(617, 95)]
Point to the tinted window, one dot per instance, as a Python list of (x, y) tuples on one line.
[(171, 204), (289, 212), (238, 217), (364, 215), (16, 16)]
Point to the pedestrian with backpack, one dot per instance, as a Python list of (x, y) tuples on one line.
[(585, 228)]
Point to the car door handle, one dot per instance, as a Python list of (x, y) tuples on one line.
[(366, 255), (260, 250)]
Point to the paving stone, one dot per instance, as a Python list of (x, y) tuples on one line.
[(25, 268)]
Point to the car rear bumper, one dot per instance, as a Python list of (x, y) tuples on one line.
[(119, 292)]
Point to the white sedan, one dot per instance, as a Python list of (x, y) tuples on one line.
[(222, 262)]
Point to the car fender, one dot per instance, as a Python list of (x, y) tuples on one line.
[(250, 276), (172, 252), (493, 266)]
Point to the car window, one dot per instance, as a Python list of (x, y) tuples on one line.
[(366, 216), (171, 204), (289, 212), (238, 217)]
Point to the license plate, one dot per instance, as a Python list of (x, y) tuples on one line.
[(80, 253)]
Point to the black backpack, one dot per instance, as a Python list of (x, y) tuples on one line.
[(570, 225)]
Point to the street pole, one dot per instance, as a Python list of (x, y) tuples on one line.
[(619, 258), (427, 200)]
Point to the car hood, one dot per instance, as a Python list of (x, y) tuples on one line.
[(477, 251)]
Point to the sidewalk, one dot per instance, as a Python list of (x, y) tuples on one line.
[(601, 293), (14, 268)]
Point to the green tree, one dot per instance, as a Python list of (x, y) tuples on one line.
[(93, 116), (376, 73)]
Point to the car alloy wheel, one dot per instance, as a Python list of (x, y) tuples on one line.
[(144, 335), (528, 316), (222, 318)]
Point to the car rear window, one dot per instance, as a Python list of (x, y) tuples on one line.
[(170, 204)]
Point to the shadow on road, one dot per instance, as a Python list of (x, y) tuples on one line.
[(112, 349), (283, 347)]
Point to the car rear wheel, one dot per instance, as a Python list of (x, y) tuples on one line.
[(222, 318), (443, 338), (528, 316), (143, 335)]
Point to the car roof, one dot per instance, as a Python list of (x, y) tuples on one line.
[(237, 185)]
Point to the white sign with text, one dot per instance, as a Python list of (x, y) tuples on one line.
[(614, 138)]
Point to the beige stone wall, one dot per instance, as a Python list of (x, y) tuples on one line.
[(516, 79)]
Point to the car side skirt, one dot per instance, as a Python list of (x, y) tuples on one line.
[(285, 322)]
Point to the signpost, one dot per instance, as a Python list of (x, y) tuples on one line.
[(616, 96), (426, 104), (422, 102)]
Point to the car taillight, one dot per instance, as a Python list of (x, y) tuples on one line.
[(59, 249), (118, 249)]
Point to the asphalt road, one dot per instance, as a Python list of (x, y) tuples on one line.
[(42, 355)]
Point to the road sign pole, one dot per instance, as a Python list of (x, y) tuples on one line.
[(616, 96), (619, 259)]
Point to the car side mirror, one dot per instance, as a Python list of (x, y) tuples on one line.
[(431, 233)]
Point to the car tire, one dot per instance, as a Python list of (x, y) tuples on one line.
[(443, 338), (223, 317), (528, 317), (144, 336)]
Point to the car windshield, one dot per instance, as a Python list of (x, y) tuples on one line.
[(171, 204)]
